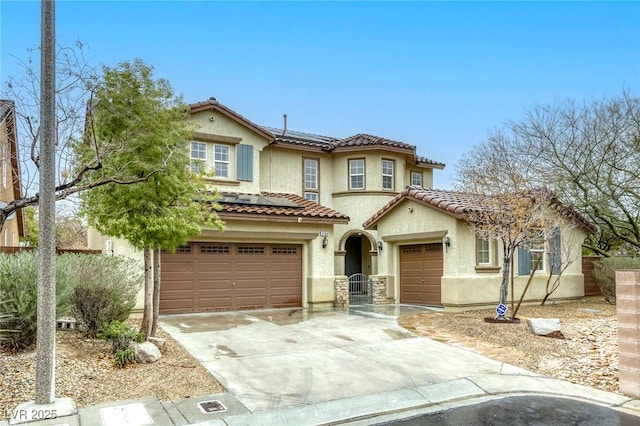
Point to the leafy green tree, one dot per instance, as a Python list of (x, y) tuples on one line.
[(168, 207), (30, 238), (77, 83)]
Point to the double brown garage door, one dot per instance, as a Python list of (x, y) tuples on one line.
[(203, 277), (420, 274)]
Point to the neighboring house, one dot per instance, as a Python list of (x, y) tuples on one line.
[(303, 212), (9, 173)]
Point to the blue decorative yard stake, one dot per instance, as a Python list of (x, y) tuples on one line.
[(501, 309)]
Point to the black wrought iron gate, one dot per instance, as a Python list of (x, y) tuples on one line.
[(360, 290)]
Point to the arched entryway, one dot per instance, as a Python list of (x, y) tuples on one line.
[(360, 253)]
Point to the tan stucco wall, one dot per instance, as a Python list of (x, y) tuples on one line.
[(462, 284), (282, 171), (485, 290), (410, 219), (224, 126), (9, 235)]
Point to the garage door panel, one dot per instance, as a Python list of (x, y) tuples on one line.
[(266, 275), (420, 273), (213, 303), (176, 305), (250, 301)]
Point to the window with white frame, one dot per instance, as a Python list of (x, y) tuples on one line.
[(387, 174), (311, 182), (484, 252), (311, 196), (198, 156), (356, 174), (221, 161), (537, 256), (416, 178)]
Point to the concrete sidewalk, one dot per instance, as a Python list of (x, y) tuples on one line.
[(361, 410), (295, 367)]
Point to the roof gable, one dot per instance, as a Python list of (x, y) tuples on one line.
[(458, 203), (213, 104)]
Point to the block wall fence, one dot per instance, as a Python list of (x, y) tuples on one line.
[(628, 313)]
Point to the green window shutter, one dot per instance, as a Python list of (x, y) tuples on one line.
[(555, 251), (524, 261), (245, 162)]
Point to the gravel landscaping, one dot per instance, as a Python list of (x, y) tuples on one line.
[(85, 372), (588, 354)]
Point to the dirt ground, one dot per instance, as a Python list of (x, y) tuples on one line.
[(588, 354), (85, 371)]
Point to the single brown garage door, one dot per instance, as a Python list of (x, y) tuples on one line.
[(421, 273), (225, 276)]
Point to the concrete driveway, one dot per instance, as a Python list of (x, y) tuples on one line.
[(273, 359)]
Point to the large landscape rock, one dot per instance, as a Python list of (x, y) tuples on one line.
[(160, 343), (147, 352), (549, 327)]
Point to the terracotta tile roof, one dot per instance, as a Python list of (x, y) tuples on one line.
[(458, 203), (212, 103), (310, 140), (272, 205), (328, 143), (429, 162), (363, 139)]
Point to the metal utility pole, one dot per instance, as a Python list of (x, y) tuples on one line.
[(46, 334)]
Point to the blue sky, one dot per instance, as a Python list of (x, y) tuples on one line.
[(437, 75)]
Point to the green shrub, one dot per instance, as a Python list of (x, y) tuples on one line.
[(124, 357), (18, 292), (106, 290), (604, 272), (119, 334)]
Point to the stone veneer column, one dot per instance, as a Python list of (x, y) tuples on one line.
[(379, 290), (628, 312), (341, 292)]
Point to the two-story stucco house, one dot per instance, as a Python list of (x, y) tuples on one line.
[(303, 212), (13, 227)]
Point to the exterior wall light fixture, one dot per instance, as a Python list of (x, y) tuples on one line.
[(379, 245), (325, 240), (447, 243)]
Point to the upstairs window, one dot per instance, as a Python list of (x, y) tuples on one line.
[(387, 174), (221, 161), (356, 174), (416, 178), (311, 184), (198, 156)]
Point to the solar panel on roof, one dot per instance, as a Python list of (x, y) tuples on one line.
[(257, 200)]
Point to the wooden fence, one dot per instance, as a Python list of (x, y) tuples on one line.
[(590, 286), (11, 250)]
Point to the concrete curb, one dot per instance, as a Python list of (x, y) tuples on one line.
[(359, 410)]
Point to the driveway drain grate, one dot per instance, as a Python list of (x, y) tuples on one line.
[(213, 406)]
